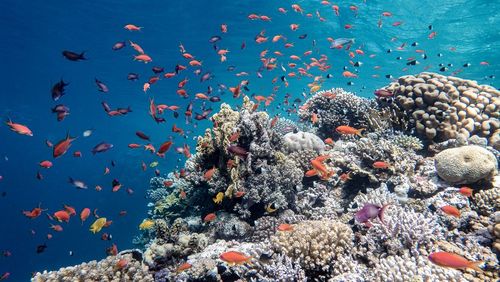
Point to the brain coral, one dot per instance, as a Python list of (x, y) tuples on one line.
[(442, 107), (464, 165), (303, 141), (314, 244)]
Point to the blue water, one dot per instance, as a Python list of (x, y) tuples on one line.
[(35, 32)]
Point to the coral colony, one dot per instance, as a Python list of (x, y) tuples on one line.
[(403, 187)]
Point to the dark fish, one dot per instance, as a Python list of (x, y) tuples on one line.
[(297, 100), (206, 112), (41, 248), (358, 64), (214, 39), (231, 68), (72, 56), (39, 176), (124, 111), (329, 76), (159, 119), (443, 69), (236, 150), (303, 36), (60, 108), (141, 135), (158, 70), (414, 44), (214, 99), (412, 63), (113, 164), (206, 76), (101, 86), (101, 147), (176, 114), (105, 106), (200, 117), (466, 65), (209, 90), (132, 76), (115, 182), (58, 90), (118, 45), (383, 93)]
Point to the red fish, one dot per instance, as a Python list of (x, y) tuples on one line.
[(210, 217), (285, 227), (466, 191), (46, 164), (165, 147), (62, 146), (61, 215), (233, 257), (34, 213), (347, 130), (19, 128), (451, 210), (84, 214), (454, 261)]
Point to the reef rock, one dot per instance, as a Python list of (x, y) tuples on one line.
[(467, 164), (303, 141)]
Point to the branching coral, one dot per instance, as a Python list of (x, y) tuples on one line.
[(314, 244)]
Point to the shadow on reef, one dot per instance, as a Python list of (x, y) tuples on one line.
[(359, 190)]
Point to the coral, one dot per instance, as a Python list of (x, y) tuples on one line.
[(229, 226), (314, 244), (284, 126), (487, 201), (341, 108), (319, 202), (467, 164), (264, 228), (404, 229), (380, 196), (442, 107), (408, 142), (495, 231), (281, 268), (104, 270), (412, 268), (303, 141)]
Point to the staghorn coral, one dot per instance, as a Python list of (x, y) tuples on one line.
[(344, 109), (442, 107), (411, 268), (314, 244), (104, 270), (408, 142), (281, 268)]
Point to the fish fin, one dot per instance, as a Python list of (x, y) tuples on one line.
[(475, 265), (82, 56), (359, 132), (70, 180)]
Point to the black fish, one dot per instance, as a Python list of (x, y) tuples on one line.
[(60, 108), (412, 63), (214, 39), (41, 248), (231, 68), (199, 117), (159, 119), (303, 36), (115, 182), (132, 76), (214, 99), (101, 86), (158, 70), (141, 135), (176, 114), (72, 56), (58, 90)]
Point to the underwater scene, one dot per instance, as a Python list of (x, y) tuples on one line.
[(253, 140)]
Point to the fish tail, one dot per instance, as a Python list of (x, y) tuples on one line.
[(381, 213), (82, 55), (359, 131), (475, 265), (70, 180)]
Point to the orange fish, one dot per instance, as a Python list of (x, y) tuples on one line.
[(349, 74), (432, 35), (183, 267), (84, 214), (132, 27), (46, 164), (347, 130), (61, 215), (314, 118), (62, 146), (34, 213), (234, 136), (209, 173), (223, 28), (56, 227), (233, 258), (466, 191), (381, 165), (210, 217), (71, 210), (454, 261), (19, 128), (165, 147), (329, 141), (143, 58), (451, 210), (136, 47), (285, 227), (122, 263)]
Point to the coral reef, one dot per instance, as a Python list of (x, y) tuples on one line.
[(465, 165), (443, 107), (123, 267), (303, 141)]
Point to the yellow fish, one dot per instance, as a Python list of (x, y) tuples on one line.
[(218, 198), (153, 164), (146, 224), (270, 209), (97, 225), (315, 88)]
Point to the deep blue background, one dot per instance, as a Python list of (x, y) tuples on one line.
[(35, 32)]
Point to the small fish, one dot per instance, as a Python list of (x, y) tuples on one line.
[(77, 183), (146, 224), (446, 259), (369, 212), (101, 86), (466, 191), (451, 210), (101, 148), (97, 225), (41, 248), (381, 165), (183, 267), (72, 56), (19, 128), (118, 45), (210, 217), (347, 130), (285, 227), (340, 42), (208, 175), (132, 27), (218, 198), (270, 208), (234, 258), (84, 214), (214, 39), (57, 90)]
